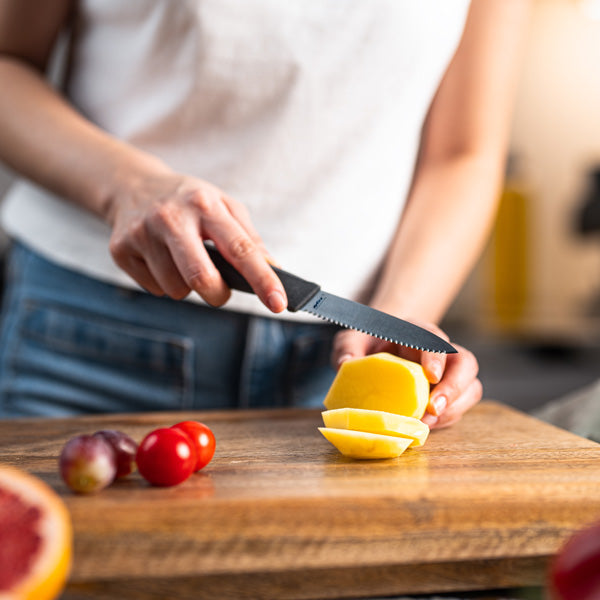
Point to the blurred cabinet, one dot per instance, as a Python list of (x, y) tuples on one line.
[(556, 131)]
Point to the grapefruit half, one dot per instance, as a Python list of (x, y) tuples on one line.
[(35, 538)]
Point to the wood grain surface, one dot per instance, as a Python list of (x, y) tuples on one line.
[(279, 513)]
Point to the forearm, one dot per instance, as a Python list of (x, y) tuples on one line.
[(159, 218), (44, 139), (447, 220), (453, 200)]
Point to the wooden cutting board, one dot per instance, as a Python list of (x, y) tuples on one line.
[(280, 514)]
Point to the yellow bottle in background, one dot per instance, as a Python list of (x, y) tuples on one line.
[(510, 251)]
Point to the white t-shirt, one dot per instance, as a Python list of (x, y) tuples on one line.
[(307, 111)]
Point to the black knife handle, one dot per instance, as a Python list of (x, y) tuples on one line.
[(298, 290)]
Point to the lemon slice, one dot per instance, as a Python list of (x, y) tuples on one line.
[(360, 444), (377, 421)]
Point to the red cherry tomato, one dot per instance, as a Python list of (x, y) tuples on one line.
[(203, 439), (166, 457), (575, 571)]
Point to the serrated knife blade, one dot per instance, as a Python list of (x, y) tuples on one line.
[(309, 297), (354, 315)]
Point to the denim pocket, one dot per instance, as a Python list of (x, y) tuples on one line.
[(70, 361)]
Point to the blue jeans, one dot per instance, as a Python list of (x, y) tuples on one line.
[(70, 344)]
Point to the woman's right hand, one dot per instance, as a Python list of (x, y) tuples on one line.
[(159, 224), (159, 218)]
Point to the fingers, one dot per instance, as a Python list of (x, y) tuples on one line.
[(456, 389), (137, 268), (172, 271), (158, 240), (456, 392), (228, 225), (240, 213), (433, 363), (455, 411), (159, 263), (245, 256), (348, 344)]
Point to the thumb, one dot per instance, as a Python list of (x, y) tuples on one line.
[(348, 344)]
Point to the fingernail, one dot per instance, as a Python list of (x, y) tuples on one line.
[(276, 301), (437, 371), (429, 419), (439, 404), (344, 358)]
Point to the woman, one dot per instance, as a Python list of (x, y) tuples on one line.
[(360, 144)]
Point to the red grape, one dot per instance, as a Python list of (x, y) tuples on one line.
[(87, 463), (124, 447)]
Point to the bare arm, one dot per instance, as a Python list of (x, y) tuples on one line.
[(43, 137), (453, 198), (156, 214)]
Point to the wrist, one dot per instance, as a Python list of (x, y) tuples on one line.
[(131, 172)]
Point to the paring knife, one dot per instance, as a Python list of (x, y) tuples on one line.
[(307, 296)]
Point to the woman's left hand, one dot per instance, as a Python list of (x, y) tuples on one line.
[(455, 386)]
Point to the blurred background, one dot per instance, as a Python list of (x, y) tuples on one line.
[(531, 309)]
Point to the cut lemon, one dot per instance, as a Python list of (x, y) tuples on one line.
[(359, 444), (380, 382), (377, 421)]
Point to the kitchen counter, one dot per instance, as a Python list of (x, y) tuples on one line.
[(280, 514)]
